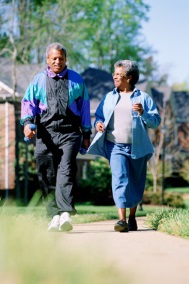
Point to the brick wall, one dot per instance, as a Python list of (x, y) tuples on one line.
[(7, 146)]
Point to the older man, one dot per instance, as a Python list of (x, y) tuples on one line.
[(57, 102)]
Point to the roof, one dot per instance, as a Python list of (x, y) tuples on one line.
[(100, 82), (157, 97), (24, 74), (143, 86), (6, 91), (166, 90)]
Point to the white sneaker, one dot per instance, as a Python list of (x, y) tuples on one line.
[(54, 224), (65, 222)]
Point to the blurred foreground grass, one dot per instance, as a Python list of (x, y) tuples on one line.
[(31, 255)]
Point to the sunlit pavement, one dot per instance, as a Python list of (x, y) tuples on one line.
[(146, 256)]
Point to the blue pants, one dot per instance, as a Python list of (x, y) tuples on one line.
[(128, 175)]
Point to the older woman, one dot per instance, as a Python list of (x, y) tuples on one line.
[(122, 119)]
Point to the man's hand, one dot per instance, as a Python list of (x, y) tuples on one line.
[(28, 132), (85, 144)]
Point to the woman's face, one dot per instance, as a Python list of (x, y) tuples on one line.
[(119, 77)]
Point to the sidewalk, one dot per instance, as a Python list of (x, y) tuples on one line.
[(146, 256)]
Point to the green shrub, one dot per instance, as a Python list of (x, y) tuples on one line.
[(172, 200), (98, 186), (149, 181), (150, 197)]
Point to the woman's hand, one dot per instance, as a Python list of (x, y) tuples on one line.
[(138, 107), (100, 127)]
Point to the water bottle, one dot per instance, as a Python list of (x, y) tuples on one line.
[(32, 127)]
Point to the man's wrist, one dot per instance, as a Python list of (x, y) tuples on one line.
[(86, 135)]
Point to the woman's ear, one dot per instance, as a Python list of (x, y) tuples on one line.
[(128, 78)]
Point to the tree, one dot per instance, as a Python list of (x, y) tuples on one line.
[(158, 138), (184, 86), (112, 30), (95, 33)]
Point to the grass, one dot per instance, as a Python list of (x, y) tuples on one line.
[(86, 213), (172, 221), (186, 201), (29, 254), (181, 190), (91, 213)]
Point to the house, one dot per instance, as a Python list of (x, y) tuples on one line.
[(11, 130), (180, 102), (7, 138)]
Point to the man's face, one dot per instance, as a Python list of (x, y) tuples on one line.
[(56, 60)]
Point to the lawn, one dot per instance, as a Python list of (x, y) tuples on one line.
[(29, 254), (85, 212), (181, 190)]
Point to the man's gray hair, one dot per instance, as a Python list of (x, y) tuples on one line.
[(57, 46), (131, 68)]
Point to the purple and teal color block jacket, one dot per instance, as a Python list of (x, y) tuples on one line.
[(34, 102)]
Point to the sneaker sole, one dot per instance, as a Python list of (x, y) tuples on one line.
[(118, 228), (53, 230), (66, 227)]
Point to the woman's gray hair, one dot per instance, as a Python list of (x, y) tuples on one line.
[(57, 46), (131, 68)]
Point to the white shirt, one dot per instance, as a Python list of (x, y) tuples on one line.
[(119, 129)]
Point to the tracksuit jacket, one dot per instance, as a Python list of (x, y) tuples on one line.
[(35, 103)]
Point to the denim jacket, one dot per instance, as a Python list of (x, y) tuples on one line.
[(141, 144)]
